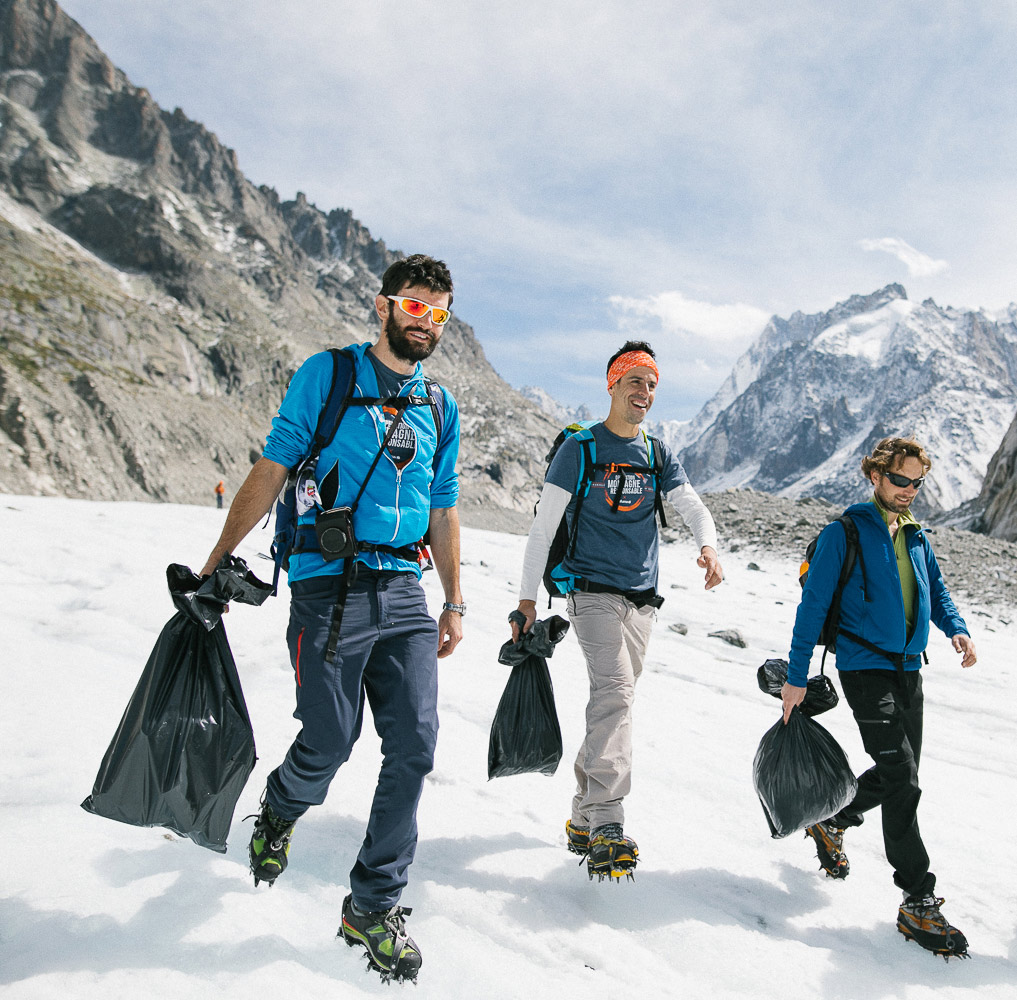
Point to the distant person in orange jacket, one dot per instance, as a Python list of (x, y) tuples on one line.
[(220, 490)]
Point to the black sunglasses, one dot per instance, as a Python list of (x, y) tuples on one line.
[(902, 481)]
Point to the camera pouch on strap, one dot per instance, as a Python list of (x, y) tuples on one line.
[(337, 530), (334, 529)]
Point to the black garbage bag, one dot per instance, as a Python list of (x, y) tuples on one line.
[(801, 775), (185, 747), (820, 694), (525, 735)]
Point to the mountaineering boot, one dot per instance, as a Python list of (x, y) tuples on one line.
[(270, 845), (611, 853), (578, 838), (919, 919), (390, 950), (830, 849)]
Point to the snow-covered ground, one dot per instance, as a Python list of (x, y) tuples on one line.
[(94, 909)]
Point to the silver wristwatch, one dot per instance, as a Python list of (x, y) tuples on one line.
[(459, 608)]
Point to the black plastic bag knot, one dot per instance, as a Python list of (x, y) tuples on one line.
[(820, 694), (539, 641), (203, 600)]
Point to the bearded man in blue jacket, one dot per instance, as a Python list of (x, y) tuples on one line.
[(894, 591), (386, 648)]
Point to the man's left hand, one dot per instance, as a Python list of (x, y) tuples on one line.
[(450, 632), (965, 644), (709, 561)]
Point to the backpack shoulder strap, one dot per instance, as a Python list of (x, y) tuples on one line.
[(655, 451), (338, 399), (853, 552), (587, 464), (437, 398), (587, 459)]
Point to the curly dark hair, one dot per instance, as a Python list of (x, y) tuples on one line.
[(419, 269), (892, 450), (630, 345)]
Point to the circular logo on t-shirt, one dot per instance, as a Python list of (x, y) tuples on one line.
[(632, 486)]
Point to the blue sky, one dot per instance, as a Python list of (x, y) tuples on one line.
[(592, 171)]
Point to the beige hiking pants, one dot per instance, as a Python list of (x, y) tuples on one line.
[(613, 636)]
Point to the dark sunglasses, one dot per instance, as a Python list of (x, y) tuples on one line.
[(902, 481)]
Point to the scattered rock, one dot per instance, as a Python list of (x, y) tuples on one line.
[(979, 570), (679, 628), (731, 636)]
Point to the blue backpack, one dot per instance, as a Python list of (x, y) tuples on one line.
[(557, 581), (289, 536)]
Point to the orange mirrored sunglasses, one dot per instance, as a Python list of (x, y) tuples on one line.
[(418, 309)]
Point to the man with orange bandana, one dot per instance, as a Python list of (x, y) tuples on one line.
[(614, 599)]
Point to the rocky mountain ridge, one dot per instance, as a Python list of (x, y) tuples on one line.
[(154, 303), (814, 393), (994, 511)]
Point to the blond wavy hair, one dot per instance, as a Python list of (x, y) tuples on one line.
[(892, 450)]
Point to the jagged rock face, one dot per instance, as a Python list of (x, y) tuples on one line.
[(814, 393), (154, 303), (997, 503)]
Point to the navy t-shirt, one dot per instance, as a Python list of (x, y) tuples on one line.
[(402, 446), (616, 547)]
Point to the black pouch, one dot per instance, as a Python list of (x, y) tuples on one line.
[(644, 598), (801, 775), (334, 529)]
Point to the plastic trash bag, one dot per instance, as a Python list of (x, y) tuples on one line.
[(185, 747), (801, 775), (820, 694), (525, 735)]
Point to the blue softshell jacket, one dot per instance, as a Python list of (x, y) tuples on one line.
[(877, 614), (406, 483)]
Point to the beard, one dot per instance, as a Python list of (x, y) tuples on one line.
[(890, 503), (402, 346)]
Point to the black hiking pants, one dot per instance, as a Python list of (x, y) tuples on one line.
[(890, 722)]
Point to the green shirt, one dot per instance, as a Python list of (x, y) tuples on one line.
[(906, 572)]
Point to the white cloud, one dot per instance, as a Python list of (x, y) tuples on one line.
[(919, 265), (677, 314), (568, 152)]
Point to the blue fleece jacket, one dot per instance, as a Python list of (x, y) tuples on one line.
[(408, 481), (876, 613)]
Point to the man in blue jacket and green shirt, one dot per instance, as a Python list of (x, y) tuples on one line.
[(894, 591), (393, 463)]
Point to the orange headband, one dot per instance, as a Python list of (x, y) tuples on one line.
[(626, 362)]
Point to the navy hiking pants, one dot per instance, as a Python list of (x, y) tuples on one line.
[(892, 736), (387, 655)]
